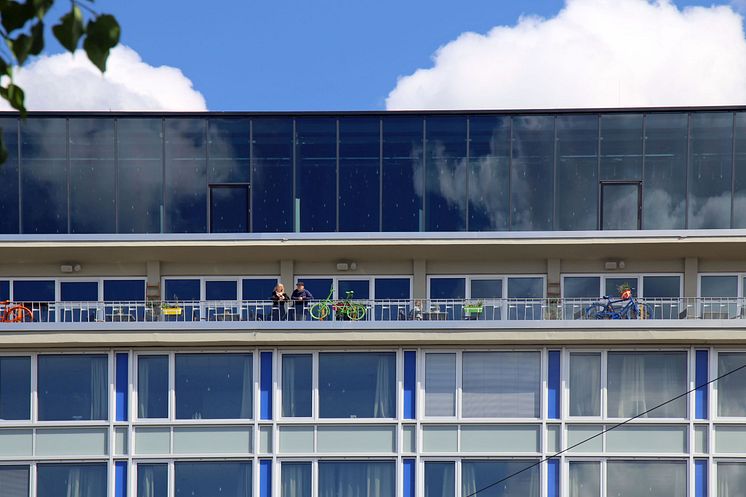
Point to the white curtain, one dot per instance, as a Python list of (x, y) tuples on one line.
[(477, 475), (99, 388), (440, 385), (732, 388), (296, 480), (14, 481), (86, 481), (585, 479), (440, 479), (585, 384), (646, 479), (146, 481), (247, 388), (356, 479), (383, 406), (288, 386), (143, 387), (731, 479)]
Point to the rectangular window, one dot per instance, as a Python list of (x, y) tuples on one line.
[(585, 384), (229, 148), (621, 146), (182, 290), (662, 294), (585, 479), (440, 479), (353, 478), (214, 386), (124, 290), (14, 481), (731, 389), (73, 387), (359, 174), (4, 290), (664, 194), (15, 388), (440, 384), (731, 479), (257, 288), (357, 385), (223, 478), (316, 173), (296, 479), (9, 223), (528, 291), (403, 173), (152, 480), (489, 173), (79, 291), (476, 475), (221, 290), (33, 291), (186, 176), (638, 381), (66, 480), (532, 173), (501, 384), (445, 201), (646, 478), (719, 294), (152, 386), (447, 288), (577, 172), (272, 177)]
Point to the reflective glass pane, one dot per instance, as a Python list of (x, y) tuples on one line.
[(152, 480), (360, 289), (221, 290), (440, 479), (316, 174), (662, 286), (532, 173), (577, 172), (392, 288), (739, 171), (228, 150), (578, 287), (297, 388), (213, 386), (585, 384), (296, 479), (186, 176), (525, 288), (447, 288), (181, 290), (15, 388), (272, 177), (4, 290), (357, 385), (732, 388), (585, 479), (319, 287), (152, 386), (44, 175), (140, 171), (646, 478), (664, 192), (620, 204), (257, 288), (440, 384), (73, 387), (719, 286), (210, 479), (71, 480), (731, 478), (33, 291), (486, 288), (357, 478), (489, 173), (478, 475), (229, 209), (92, 175), (445, 203), (359, 174), (14, 481), (9, 222), (621, 147), (79, 291), (710, 170), (124, 290), (403, 174)]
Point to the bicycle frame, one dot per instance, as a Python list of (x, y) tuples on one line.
[(630, 310)]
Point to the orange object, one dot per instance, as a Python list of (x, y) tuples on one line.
[(626, 294)]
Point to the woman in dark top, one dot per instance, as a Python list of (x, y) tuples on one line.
[(279, 303)]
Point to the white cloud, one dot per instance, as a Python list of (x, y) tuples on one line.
[(71, 82), (593, 53)]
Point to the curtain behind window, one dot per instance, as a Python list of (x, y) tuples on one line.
[(501, 384), (646, 479), (356, 479), (440, 479), (296, 479), (14, 481), (99, 386), (585, 479), (296, 385), (732, 388), (440, 384), (731, 479), (477, 475), (585, 384), (383, 406), (71, 480)]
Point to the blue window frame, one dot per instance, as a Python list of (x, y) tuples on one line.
[(15, 388), (54, 480), (73, 387), (224, 478)]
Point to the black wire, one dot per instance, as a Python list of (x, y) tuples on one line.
[(541, 461)]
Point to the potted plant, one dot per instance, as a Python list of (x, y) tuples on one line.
[(625, 291), (169, 309), (474, 308)]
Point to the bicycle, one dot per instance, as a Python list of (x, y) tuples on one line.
[(14, 313), (344, 309), (608, 308)]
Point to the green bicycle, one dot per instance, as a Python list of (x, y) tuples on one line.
[(344, 309)]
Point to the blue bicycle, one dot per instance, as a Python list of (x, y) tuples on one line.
[(608, 308)]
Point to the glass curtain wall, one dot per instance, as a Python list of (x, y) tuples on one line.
[(489, 173)]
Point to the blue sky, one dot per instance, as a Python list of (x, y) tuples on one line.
[(304, 55)]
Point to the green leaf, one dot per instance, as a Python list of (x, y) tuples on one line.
[(70, 29), (102, 34), (42, 7), (15, 97), (3, 150), (4, 67), (37, 38), (21, 46), (15, 15)]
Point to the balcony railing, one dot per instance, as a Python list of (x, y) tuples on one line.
[(383, 310)]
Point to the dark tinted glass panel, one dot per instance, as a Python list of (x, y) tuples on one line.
[(489, 173), (445, 204), (4, 290), (297, 389), (92, 176), (9, 178), (213, 386), (710, 170), (71, 480), (620, 204), (152, 480), (532, 173), (210, 479), (403, 175), (739, 171), (719, 286), (44, 175), (357, 478), (229, 209), (182, 290), (15, 388), (661, 286), (258, 289), (440, 479), (152, 386), (664, 193), (221, 290), (612, 286), (577, 172), (228, 150), (79, 291), (124, 290), (316, 174), (140, 171), (359, 174), (578, 287), (447, 288), (360, 288), (186, 176), (357, 385), (319, 287), (272, 178), (486, 288), (392, 288), (525, 288), (621, 147), (14, 481), (73, 387), (33, 290), (516, 479)]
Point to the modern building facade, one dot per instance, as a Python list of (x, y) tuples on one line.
[(468, 361)]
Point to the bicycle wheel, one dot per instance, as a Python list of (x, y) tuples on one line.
[(18, 313), (596, 311), (356, 312), (319, 311)]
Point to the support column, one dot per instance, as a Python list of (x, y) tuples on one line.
[(153, 283), (419, 280), (287, 274), (553, 278), (691, 273)]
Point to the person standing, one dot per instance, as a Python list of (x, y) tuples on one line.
[(301, 297), (279, 303)]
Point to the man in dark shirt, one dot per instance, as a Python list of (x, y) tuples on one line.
[(300, 297)]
